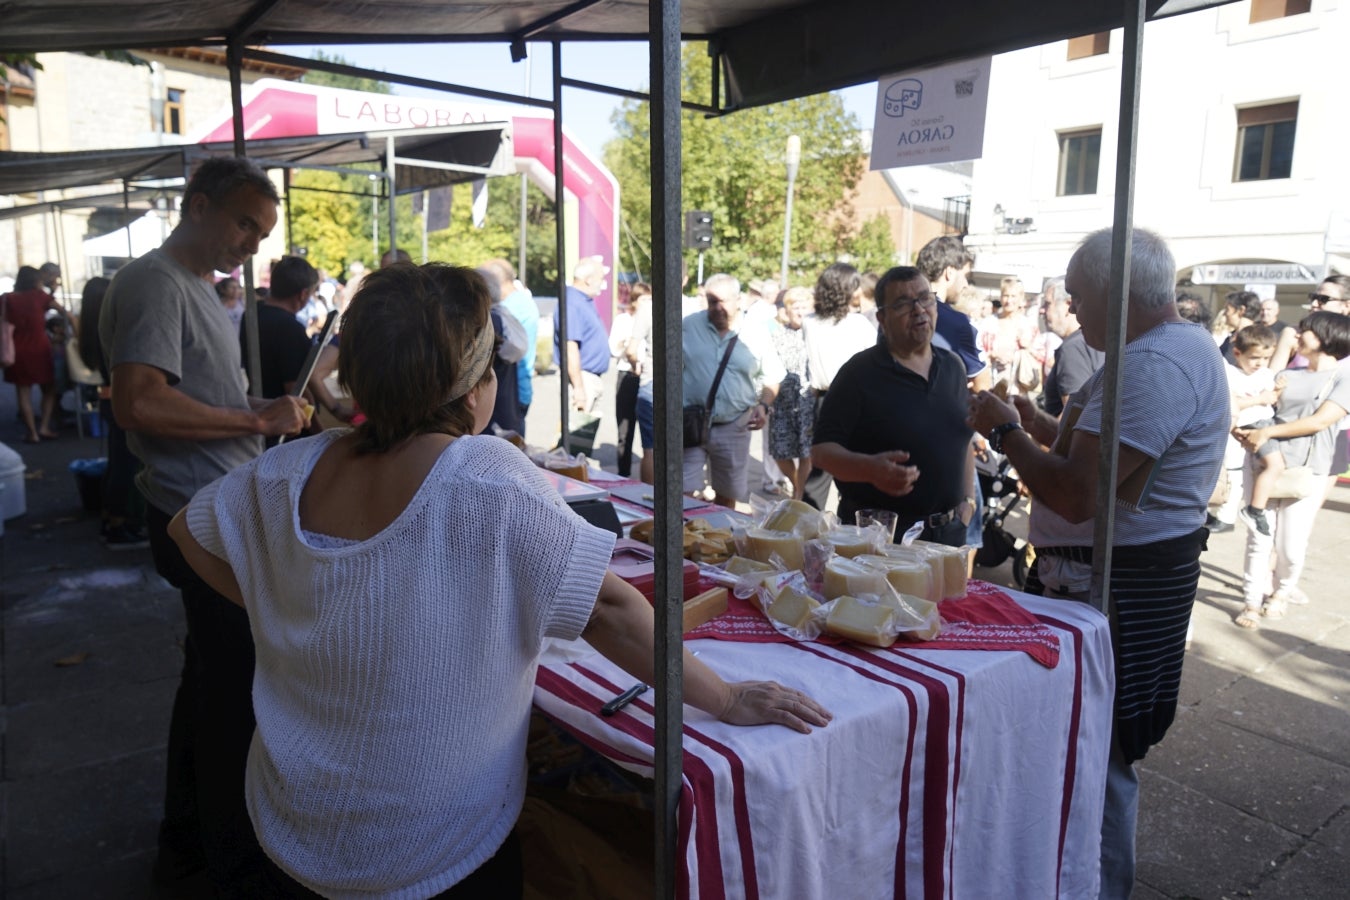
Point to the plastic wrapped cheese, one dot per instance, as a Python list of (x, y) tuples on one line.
[(792, 607), (936, 566), (862, 621), (794, 516), (850, 540), (763, 543), (954, 566), (739, 565), (908, 575), (851, 576)]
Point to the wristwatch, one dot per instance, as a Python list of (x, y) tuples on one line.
[(996, 436)]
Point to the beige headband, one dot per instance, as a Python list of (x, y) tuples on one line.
[(475, 364)]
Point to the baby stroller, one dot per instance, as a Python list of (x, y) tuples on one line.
[(1001, 496)]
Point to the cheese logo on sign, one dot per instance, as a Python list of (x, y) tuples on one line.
[(907, 93)]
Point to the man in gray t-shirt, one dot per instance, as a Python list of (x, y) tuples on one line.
[(178, 392)]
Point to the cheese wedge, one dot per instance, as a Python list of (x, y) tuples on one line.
[(705, 607), (954, 562), (850, 540), (787, 515), (792, 607), (850, 576), (763, 543), (739, 565), (936, 566), (866, 623), (912, 576)]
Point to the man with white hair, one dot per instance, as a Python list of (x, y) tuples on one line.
[(585, 359), (1073, 361), (1174, 418), (749, 383)]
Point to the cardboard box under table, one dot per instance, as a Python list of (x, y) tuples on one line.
[(945, 772)]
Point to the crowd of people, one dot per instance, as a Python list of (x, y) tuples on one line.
[(323, 579)]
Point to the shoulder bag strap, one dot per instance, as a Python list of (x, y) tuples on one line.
[(721, 368)]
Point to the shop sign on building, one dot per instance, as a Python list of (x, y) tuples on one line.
[(931, 116), (1257, 272)]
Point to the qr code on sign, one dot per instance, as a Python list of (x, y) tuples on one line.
[(965, 87)]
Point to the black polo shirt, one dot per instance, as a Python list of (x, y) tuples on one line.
[(875, 404), (282, 345)]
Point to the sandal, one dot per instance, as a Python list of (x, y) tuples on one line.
[(1277, 607), (1249, 618)]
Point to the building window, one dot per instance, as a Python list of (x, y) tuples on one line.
[(173, 112), (1265, 10), (1079, 154), (956, 215), (1090, 45), (1265, 141)]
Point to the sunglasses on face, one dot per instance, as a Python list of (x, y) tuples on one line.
[(1319, 299)]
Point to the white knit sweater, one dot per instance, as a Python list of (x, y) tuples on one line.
[(394, 675)]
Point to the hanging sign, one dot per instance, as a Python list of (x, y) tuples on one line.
[(931, 116)]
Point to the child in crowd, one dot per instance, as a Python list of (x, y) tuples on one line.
[(1254, 390)]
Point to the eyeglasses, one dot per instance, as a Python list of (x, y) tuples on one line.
[(1318, 299), (927, 302)]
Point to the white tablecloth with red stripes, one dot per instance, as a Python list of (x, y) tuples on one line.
[(945, 773)]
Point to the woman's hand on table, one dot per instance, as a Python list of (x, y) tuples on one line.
[(770, 703)]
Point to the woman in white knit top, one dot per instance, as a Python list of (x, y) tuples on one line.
[(400, 580)]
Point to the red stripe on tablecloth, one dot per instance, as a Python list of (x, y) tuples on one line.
[(739, 803), (906, 771), (1071, 756), (711, 884), (935, 766), (960, 680)]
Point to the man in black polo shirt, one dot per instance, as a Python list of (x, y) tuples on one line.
[(892, 430), (283, 342)]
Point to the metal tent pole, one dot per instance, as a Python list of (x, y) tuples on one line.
[(1121, 244), (235, 58), (561, 227), (390, 180), (667, 358)]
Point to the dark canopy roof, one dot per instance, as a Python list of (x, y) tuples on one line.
[(771, 50), (475, 150)]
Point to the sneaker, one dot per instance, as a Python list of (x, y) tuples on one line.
[(1255, 520), (1217, 525), (125, 537)]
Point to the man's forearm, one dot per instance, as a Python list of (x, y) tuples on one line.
[(1052, 479), (166, 412), (573, 352), (842, 463)]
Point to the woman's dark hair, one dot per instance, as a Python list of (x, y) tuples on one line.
[(91, 302), (404, 340), (1332, 331), (834, 290), (1247, 301), (27, 279)]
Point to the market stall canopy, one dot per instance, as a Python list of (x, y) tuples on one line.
[(771, 50), (426, 158)]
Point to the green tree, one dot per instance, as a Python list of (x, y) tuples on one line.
[(735, 167), (349, 82), (874, 248)]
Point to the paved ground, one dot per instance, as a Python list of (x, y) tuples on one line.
[(1249, 796)]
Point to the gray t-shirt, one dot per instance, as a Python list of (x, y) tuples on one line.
[(1074, 364), (157, 313), (1174, 409), (1304, 393)]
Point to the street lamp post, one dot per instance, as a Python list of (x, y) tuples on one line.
[(794, 157)]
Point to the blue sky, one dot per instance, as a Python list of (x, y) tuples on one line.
[(587, 114)]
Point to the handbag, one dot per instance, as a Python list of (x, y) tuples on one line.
[(1298, 482), (698, 416), (1224, 487), (6, 335)]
